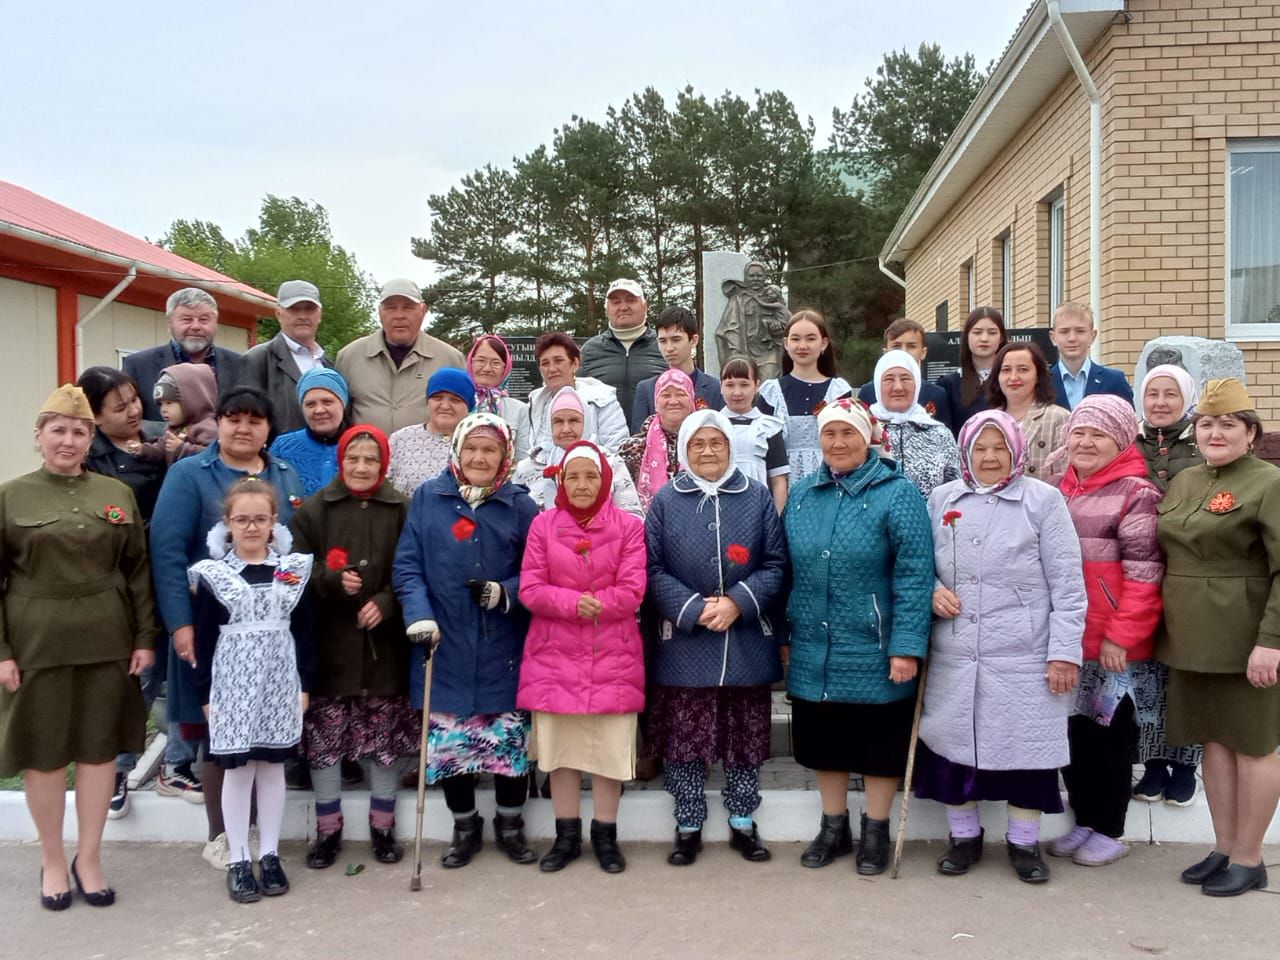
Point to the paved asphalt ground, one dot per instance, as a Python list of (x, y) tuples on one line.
[(172, 906)]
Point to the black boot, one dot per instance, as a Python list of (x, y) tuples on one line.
[(686, 849), (873, 847), (834, 839), (324, 852), (568, 845), (242, 885), (1027, 862), (467, 838), (962, 853), (749, 844), (604, 843), (386, 848), (508, 832)]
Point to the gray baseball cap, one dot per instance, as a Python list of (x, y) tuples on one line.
[(297, 291), (401, 287)]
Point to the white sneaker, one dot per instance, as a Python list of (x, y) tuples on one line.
[(217, 852)]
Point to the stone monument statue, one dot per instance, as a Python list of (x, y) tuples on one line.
[(754, 321), (1204, 359)]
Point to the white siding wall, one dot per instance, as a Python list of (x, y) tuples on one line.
[(28, 368)]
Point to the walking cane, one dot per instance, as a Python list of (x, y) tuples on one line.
[(906, 780), (415, 882)]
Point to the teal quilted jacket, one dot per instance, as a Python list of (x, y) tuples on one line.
[(862, 562)]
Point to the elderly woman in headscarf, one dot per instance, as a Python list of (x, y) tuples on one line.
[(1167, 439), (1005, 651), (650, 453), (923, 447), (457, 577), (1113, 507), (420, 451), (583, 672), (541, 469), (862, 561), (312, 451), (489, 364), (717, 561)]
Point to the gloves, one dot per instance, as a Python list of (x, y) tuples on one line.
[(487, 594), (426, 632)]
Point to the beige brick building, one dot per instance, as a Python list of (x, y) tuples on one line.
[(1190, 182)]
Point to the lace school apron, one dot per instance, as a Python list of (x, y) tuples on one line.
[(254, 699)]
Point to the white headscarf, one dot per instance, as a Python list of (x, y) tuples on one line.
[(1186, 385), (895, 360), (692, 424)]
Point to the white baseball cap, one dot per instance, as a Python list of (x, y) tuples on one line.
[(297, 291), (630, 286), (401, 287)]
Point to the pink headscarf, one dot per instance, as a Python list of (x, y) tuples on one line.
[(654, 466), (567, 398), (489, 399), (1013, 439)]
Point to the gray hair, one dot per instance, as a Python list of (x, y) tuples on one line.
[(189, 297)]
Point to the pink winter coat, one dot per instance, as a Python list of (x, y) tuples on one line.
[(573, 665)]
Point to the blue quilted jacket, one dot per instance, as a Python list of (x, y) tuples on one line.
[(862, 567), (695, 545)]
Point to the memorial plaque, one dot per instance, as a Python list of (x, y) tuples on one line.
[(944, 349)]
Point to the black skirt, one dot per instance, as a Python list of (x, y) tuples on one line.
[(867, 738)]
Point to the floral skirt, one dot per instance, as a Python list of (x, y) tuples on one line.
[(710, 724), (381, 728), (458, 744)]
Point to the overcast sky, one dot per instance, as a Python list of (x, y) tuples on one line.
[(142, 113)]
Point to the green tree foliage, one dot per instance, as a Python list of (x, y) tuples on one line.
[(292, 241)]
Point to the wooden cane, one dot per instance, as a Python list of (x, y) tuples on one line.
[(906, 780), (415, 882)]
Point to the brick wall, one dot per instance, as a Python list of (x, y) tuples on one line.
[(1177, 81)]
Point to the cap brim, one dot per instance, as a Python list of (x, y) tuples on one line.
[(286, 304)]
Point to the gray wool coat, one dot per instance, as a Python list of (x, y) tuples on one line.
[(1022, 603)]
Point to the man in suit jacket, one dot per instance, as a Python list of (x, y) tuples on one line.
[(677, 339), (1075, 376), (275, 366), (193, 322)]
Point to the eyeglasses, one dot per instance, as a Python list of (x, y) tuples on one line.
[(249, 523), (487, 364), (715, 446)]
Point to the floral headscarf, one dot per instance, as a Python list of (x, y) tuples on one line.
[(654, 466), (489, 399), (1013, 439), (490, 425)]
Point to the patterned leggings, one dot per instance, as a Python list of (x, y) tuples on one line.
[(687, 783)]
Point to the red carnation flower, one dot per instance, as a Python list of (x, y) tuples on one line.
[(551, 472), (950, 517), (738, 554), (931, 408), (582, 546), (463, 528), (337, 559), (700, 404)]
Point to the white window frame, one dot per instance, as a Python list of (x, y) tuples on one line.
[(969, 293), (1241, 331), (1006, 278), (1057, 254)]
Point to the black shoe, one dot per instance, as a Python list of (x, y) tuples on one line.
[(352, 773), (55, 901), (324, 851), (242, 886), (386, 848), (567, 847), (834, 839), (1027, 862), (1155, 778), (686, 849), (962, 853), (1235, 880), (749, 844), (604, 844), (1206, 869), (97, 898), (508, 833), (274, 882), (119, 797), (1181, 789), (873, 847), (467, 840)]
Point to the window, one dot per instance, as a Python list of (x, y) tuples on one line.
[(940, 317), (969, 299), (1006, 278), (1057, 254), (1253, 239)]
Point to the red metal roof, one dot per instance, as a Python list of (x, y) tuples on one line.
[(32, 212)]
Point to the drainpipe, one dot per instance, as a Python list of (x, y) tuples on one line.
[(890, 274), (105, 302), (1095, 167)]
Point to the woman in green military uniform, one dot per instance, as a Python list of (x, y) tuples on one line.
[(77, 629), (1220, 530)]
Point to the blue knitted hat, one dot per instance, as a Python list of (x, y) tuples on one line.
[(326, 379), (455, 381)]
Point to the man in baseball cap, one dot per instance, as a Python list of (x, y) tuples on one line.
[(628, 351), (275, 366), (387, 371)]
